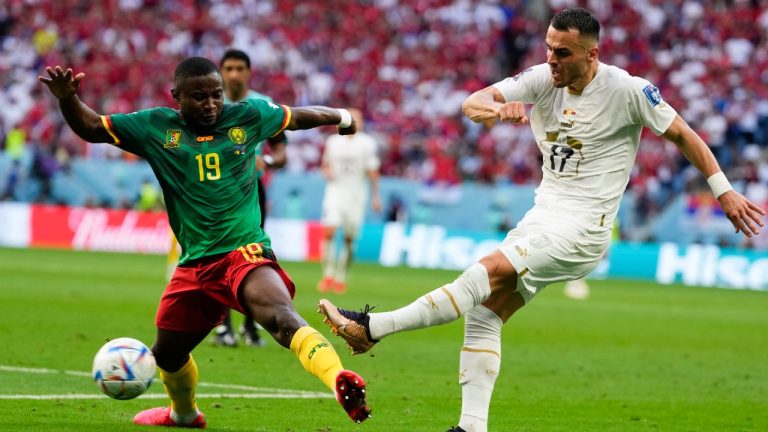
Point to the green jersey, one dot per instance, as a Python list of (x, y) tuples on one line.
[(252, 94), (208, 177)]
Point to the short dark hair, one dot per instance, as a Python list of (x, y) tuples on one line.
[(193, 67), (237, 55), (577, 18)]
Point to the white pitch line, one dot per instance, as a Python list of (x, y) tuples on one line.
[(163, 396), (258, 392), (42, 371)]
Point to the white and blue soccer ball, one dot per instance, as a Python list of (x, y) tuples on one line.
[(124, 368)]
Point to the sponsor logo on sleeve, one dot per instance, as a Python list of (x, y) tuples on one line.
[(653, 95), (517, 77)]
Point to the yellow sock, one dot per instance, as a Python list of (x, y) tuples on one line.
[(180, 386), (317, 355)]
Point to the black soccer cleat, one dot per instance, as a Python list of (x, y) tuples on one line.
[(223, 336), (251, 337), (455, 429)]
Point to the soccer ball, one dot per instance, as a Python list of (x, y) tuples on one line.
[(124, 368)]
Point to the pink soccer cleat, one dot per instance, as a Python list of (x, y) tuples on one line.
[(162, 417), (326, 284), (340, 287), (350, 392)]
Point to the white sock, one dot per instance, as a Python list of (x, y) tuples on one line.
[(479, 365), (440, 306), (329, 257)]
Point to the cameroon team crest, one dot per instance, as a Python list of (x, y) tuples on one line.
[(172, 139), (237, 135)]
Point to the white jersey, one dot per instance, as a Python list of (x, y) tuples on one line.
[(589, 141), (349, 158)]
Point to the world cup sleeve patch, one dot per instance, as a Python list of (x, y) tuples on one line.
[(653, 95), (517, 77)]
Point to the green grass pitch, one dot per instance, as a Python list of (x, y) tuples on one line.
[(635, 356)]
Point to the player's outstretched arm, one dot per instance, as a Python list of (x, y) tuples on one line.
[(309, 117), (745, 215), (488, 105), (85, 122)]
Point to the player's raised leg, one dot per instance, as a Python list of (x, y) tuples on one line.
[(268, 300), (493, 273)]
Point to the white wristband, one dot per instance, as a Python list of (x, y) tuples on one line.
[(346, 118), (719, 184), (268, 160)]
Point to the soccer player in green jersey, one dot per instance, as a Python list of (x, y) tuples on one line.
[(236, 73), (203, 156)]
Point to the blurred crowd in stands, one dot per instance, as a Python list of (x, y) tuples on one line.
[(408, 64)]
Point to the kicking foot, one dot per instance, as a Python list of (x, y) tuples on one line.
[(455, 429), (351, 326), (162, 417), (350, 392)]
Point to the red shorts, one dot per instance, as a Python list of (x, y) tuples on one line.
[(200, 293)]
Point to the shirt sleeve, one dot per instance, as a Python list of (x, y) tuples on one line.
[(128, 131), (274, 117), (526, 86), (654, 113)]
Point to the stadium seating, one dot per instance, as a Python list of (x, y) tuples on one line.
[(409, 67)]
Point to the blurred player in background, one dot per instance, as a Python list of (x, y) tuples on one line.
[(347, 161), (236, 73), (203, 156), (587, 118)]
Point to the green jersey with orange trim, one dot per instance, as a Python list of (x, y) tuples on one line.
[(207, 175), (253, 94)]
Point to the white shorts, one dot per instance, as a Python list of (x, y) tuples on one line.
[(343, 214), (545, 247)]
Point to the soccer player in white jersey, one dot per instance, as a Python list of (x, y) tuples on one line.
[(587, 118), (347, 161)]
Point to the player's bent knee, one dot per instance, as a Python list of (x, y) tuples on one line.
[(501, 273), (504, 304)]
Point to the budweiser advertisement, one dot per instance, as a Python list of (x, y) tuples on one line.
[(98, 229), (111, 230)]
